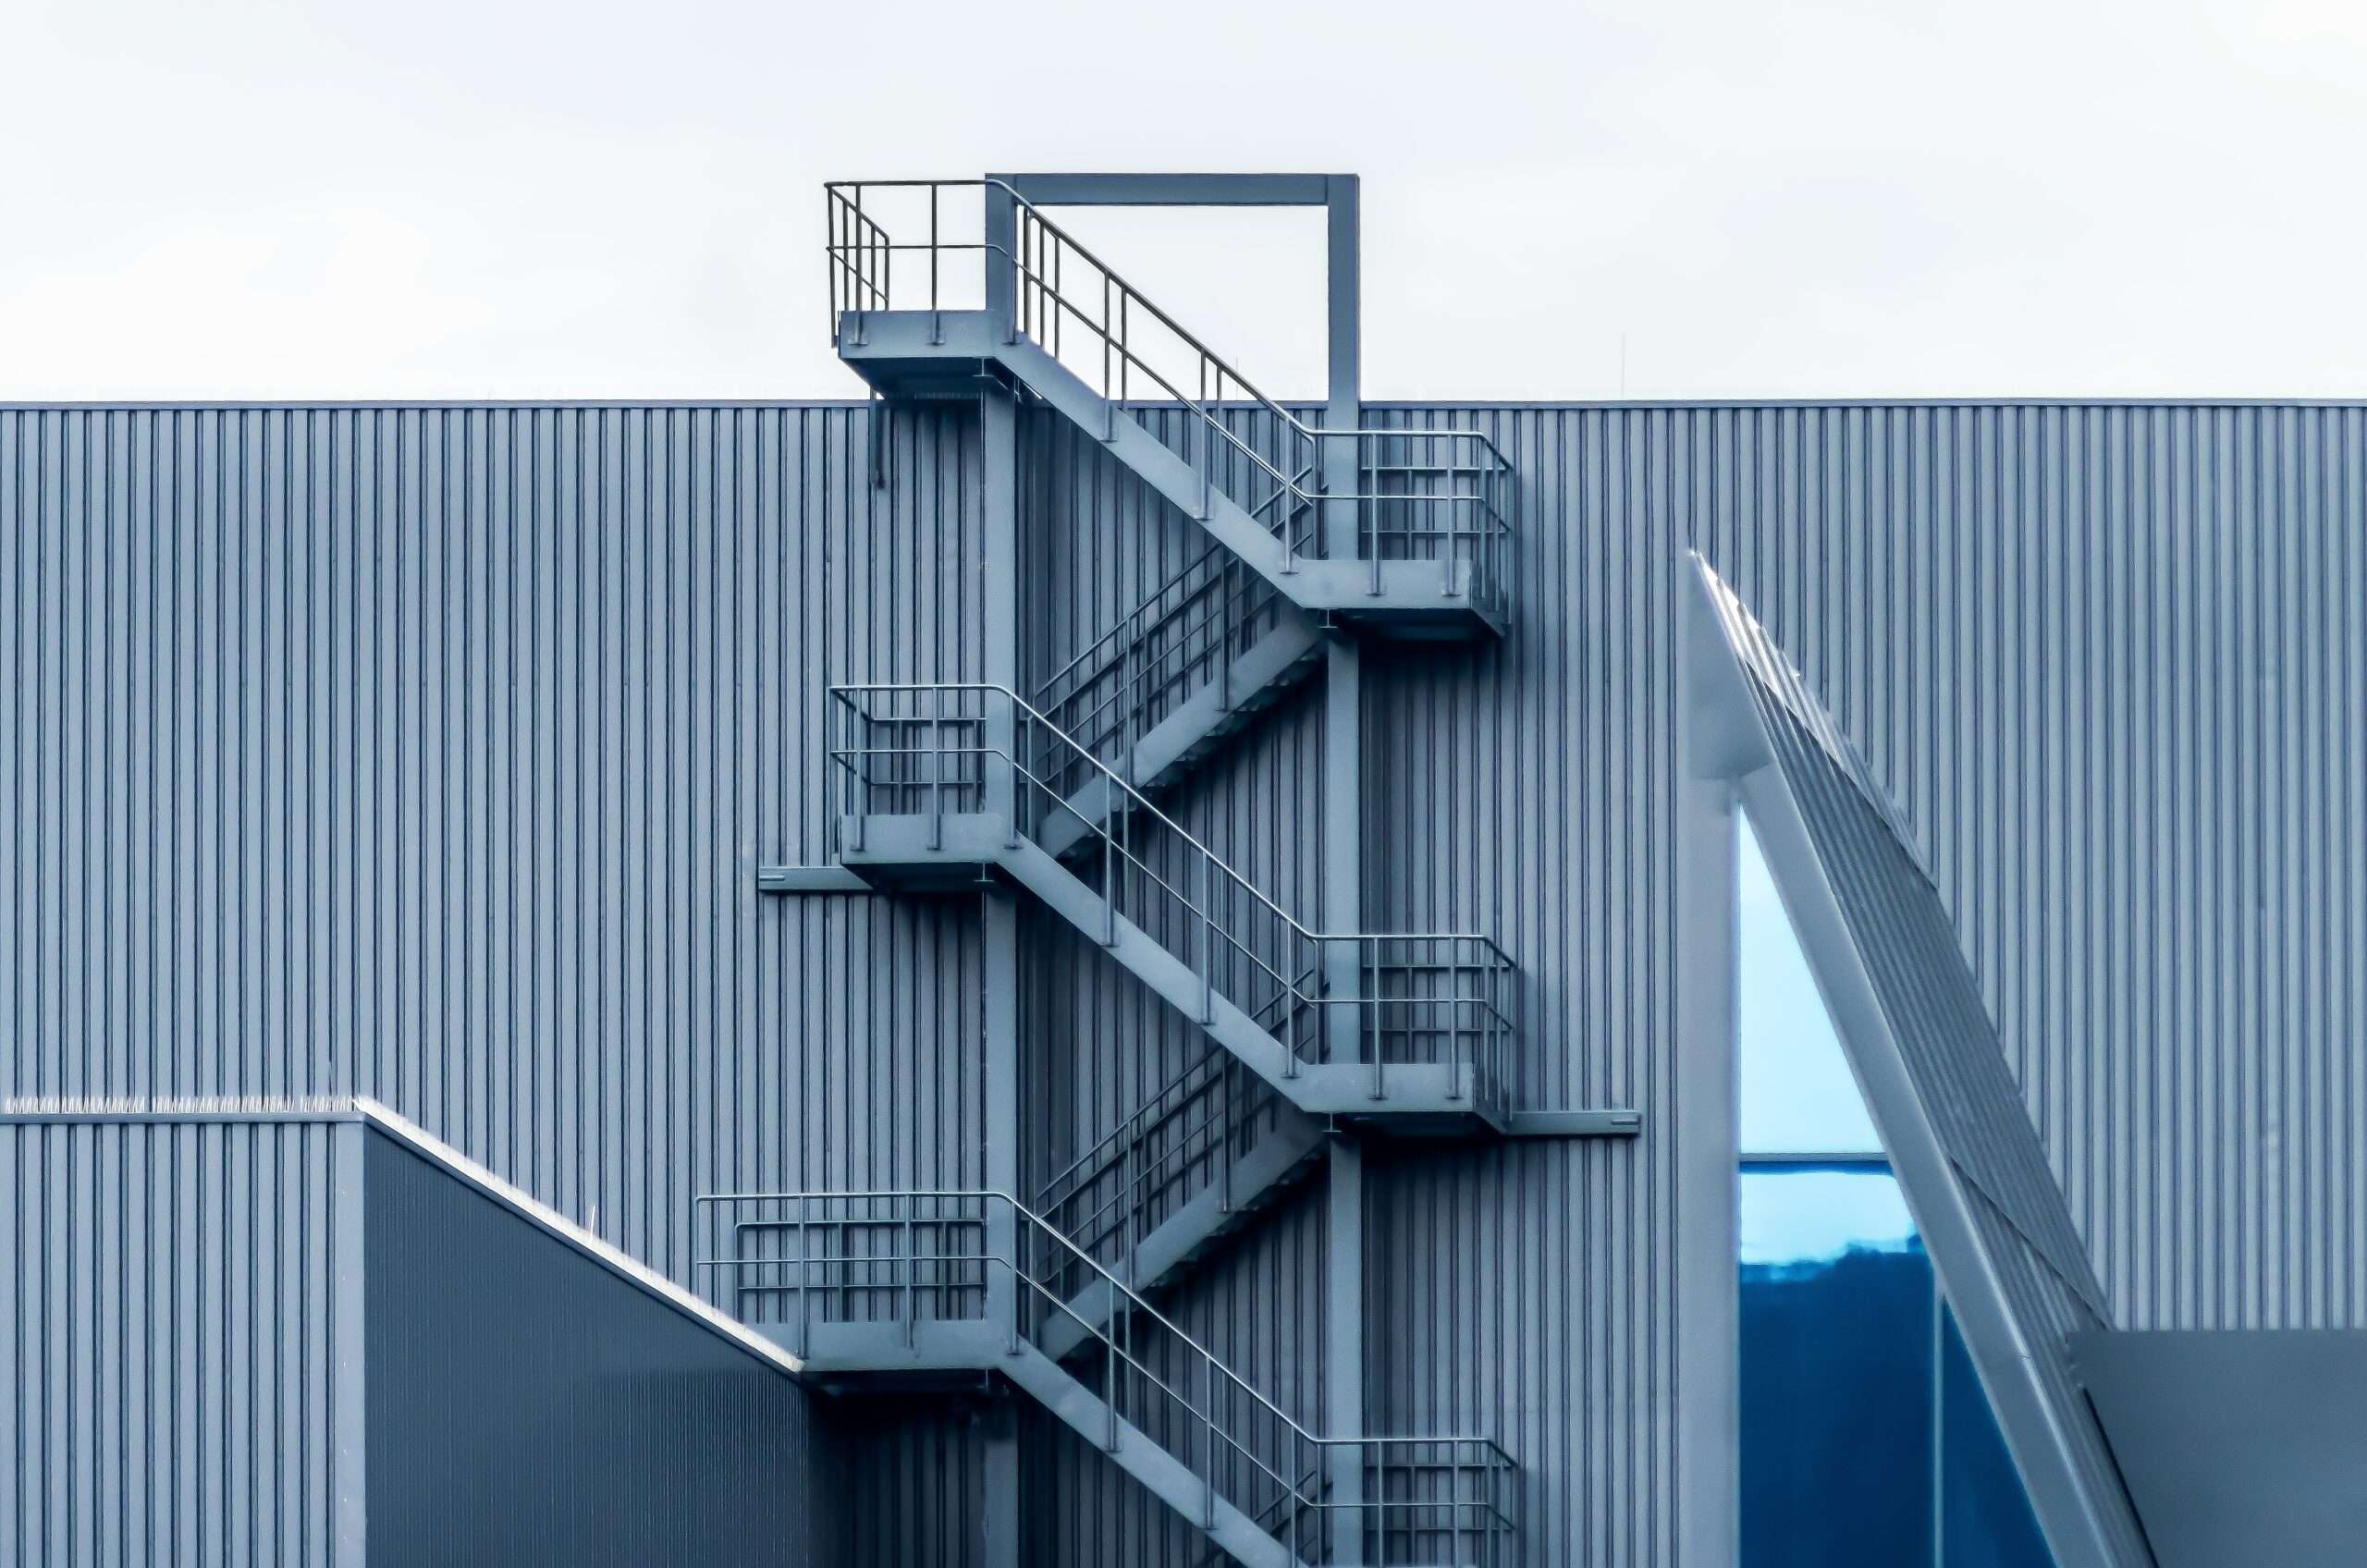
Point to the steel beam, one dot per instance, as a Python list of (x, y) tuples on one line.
[(999, 564), (1173, 190)]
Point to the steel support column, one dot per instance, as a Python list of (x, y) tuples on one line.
[(1708, 1414), (1343, 861), (999, 564)]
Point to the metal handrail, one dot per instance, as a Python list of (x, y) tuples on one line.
[(1145, 1112), (1211, 623), (1139, 803), (1297, 425), (1124, 625), (1037, 289), (1466, 1025), (1126, 1305)]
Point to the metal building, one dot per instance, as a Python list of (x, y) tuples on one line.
[(1067, 963)]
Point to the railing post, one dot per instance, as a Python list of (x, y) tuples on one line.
[(1455, 1495), (936, 769), (1125, 1196), (1208, 1442), (1455, 1018), (1109, 1375), (804, 1275), (912, 1297), (1224, 634), (1208, 943), (1453, 529), (1021, 1238), (1225, 1138), (1110, 867), (1290, 1000), (1370, 972)]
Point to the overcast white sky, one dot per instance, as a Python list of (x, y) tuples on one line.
[(1831, 198)]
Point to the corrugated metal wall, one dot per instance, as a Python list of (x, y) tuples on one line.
[(445, 742), (428, 753), (526, 1405), (170, 1360)]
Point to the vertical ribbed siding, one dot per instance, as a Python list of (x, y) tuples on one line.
[(169, 1365), (443, 742), (2108, 659), (1526, 790), (428, 753)]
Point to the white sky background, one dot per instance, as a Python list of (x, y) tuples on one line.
[(1829, 198)]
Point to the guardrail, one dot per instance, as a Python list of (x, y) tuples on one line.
[(1444, 495), (1444, 998), (1186, 634), (917, 1257)]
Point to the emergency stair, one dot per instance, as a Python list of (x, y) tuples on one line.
[(1389, 533), (1396, 533), (1311, 533), (945, 783), (924, 1288)]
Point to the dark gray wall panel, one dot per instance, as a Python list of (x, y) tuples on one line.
[(170, 1345), (2238, 1446), (528, 1405)]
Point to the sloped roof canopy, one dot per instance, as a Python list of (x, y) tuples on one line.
[(1921, 1041)]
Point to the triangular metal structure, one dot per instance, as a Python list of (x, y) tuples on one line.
[(1921, 1041)]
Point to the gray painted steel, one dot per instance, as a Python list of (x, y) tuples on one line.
[(170, 1351), (1908, 1014), (301, 1334), (432, 752), (2244, 1446), (527, 1406)]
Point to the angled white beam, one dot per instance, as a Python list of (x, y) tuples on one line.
[(1994, 1226)]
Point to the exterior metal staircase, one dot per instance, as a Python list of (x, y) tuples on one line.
[(1192, 664), (1168, 1185), (1393, 532), (945, 782), (869, 1287), (1312, 533)]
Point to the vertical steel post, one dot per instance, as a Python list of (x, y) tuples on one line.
[(1208, 1442), (1208, 941), (1455, 1018), (1224, 1134), (1343, 847), (912, 1303), (1000, 731), (937, 767)]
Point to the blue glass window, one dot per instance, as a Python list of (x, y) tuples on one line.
[(1867, 1442), (1985, 1518), (1836, 1372)]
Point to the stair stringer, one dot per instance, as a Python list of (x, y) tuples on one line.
[(891, 339), (884, 848), (1281, 1156), (1281, 657), (1164, 1475)]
